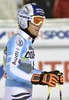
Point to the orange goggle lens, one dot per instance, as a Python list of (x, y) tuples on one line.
[(37, 20)]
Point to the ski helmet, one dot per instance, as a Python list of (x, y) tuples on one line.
[(26, 12)]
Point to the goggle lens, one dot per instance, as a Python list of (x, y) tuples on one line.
[(37, 20)]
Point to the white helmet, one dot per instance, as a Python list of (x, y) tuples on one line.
[(25, 13)]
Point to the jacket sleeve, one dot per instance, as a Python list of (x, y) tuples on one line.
[(15, 49), (36, 71)]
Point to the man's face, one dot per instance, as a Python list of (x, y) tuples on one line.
[(35, 24), (33, 29)]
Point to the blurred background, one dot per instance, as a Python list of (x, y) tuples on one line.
[(51, 46)]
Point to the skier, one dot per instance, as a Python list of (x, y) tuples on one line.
[(19, 57)]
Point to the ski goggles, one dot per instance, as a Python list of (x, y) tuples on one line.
[(37, 20)]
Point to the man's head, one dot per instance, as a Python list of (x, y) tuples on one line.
[(31, 16)]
